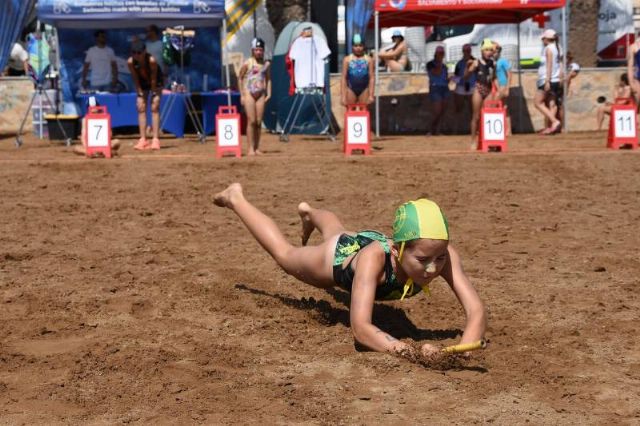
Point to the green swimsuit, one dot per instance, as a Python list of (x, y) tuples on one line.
[(347, 245)]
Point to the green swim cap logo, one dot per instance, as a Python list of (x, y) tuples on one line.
[(401, 217)]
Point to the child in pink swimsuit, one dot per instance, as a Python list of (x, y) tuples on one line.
[(255, 91)]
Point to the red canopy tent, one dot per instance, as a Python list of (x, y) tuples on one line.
[(406, 13)]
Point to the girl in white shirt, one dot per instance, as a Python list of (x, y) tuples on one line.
[(548, 80)]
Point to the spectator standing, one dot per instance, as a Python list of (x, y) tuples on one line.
[(633, 67), (566, 76), (147, 79), (438, 88), (572, 71), (464, 86), (548, 82), (503, 79), (153, 43), (101, 60)]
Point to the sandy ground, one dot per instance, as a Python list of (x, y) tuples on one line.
[(127, 297)]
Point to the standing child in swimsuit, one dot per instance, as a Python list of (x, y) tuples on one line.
[(147, 79), (368, 264), (484, 70), (255, 91), (357, 75)]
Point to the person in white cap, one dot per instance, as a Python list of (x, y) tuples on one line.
[(395, 57), (255, 91), (548, 82)]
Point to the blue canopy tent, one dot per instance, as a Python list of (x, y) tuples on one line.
[(13, 14), (76, 21), (79, 14)]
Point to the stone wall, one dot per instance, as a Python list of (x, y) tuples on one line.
[(15, 95), (405, 108)]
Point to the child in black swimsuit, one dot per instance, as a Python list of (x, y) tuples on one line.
[(368, 264), (485, 72)]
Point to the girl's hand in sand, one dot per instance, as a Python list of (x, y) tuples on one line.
[(429, 350), (406, 351)]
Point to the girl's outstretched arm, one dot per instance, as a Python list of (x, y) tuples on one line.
[(369, 270), (467, 296)]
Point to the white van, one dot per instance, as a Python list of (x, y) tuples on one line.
[(454, 37)]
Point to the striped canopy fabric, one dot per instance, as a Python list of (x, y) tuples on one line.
[(238, 11)]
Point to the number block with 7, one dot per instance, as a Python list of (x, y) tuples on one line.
[(97, 134)]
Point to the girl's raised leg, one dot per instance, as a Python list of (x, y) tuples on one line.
[(312, 265), (325, 221)]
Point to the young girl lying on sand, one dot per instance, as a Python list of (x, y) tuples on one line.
[(368, 264)]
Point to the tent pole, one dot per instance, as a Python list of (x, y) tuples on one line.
[(226, 59), (564, 68), (377, 76), (520, 107)]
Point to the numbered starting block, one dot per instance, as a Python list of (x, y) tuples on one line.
[(228, 132), (357, 136), (97, 135), (492, 127), (622, 125)]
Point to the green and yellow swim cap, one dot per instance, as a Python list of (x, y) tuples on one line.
[(420, 219), (487, 44)]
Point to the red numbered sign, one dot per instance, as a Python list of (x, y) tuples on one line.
[(357, 135), (622, 124), (492, 127), (228, 132), (97, 135)]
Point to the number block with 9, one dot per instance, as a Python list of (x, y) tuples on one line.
[(228, 132), (357, 135)]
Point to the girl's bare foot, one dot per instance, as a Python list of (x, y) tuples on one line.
[(251, 153), (307, 225), (258, 152), (227, 197)]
